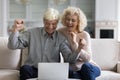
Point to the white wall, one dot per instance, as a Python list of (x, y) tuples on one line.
[(119, 20), (0, 16), (106, 10), (106, 16), (3, 17)]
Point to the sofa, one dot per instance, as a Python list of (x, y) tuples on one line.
[(105, 53), (10, 61)]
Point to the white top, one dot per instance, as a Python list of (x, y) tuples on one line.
[(85, 52)]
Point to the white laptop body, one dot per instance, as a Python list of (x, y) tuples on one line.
[(53, 71)]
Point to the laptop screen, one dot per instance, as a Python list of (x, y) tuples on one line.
[(53, 71)]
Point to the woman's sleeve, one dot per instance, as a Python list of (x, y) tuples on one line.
[(86, 53)]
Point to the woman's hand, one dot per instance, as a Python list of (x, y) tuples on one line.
[(81, 44), (73, 37), (73, 40)]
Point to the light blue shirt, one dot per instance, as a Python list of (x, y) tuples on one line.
[(41, 47)]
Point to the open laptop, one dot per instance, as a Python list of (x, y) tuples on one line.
[(53, 71)]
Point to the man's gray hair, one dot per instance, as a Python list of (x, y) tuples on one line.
[(51, 14)]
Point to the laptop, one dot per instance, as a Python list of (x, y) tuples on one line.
[(53, 71)]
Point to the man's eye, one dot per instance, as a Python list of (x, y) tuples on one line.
[(53, 24)]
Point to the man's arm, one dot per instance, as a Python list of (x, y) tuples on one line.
[(67, 53), (17, 40)]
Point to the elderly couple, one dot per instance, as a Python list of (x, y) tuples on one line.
[(46, 43)]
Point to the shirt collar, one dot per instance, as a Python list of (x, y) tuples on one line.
[(46, 34)]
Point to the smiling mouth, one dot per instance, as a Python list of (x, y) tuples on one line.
[(70, 26)]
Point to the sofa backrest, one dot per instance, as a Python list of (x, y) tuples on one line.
[(105, 53), (9, 59)]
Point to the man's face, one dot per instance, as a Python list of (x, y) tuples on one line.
[(50, 26)]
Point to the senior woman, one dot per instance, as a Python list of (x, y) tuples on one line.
[(74, 22)]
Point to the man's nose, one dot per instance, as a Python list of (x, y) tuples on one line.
[(50, 26)]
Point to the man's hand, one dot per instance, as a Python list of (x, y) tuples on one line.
[(18, 25)]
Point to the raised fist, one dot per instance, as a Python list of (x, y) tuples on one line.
[(18, 25)]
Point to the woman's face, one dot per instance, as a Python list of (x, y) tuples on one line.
[(71, 22)]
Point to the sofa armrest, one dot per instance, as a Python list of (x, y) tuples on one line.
[(118, 67)]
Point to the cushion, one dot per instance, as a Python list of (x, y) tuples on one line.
[(6, 74), (108, 75), (9, 59), (105, 53), (24, 55)]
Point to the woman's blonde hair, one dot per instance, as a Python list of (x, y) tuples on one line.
[(81, 17), (51, 14)]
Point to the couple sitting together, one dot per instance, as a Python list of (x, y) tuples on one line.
[(45, 44)]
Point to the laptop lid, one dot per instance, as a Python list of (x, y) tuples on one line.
[(53, 71)]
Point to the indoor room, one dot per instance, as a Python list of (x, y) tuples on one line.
[(18, 44)]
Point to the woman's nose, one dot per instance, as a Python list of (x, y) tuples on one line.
[(70, 21)]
